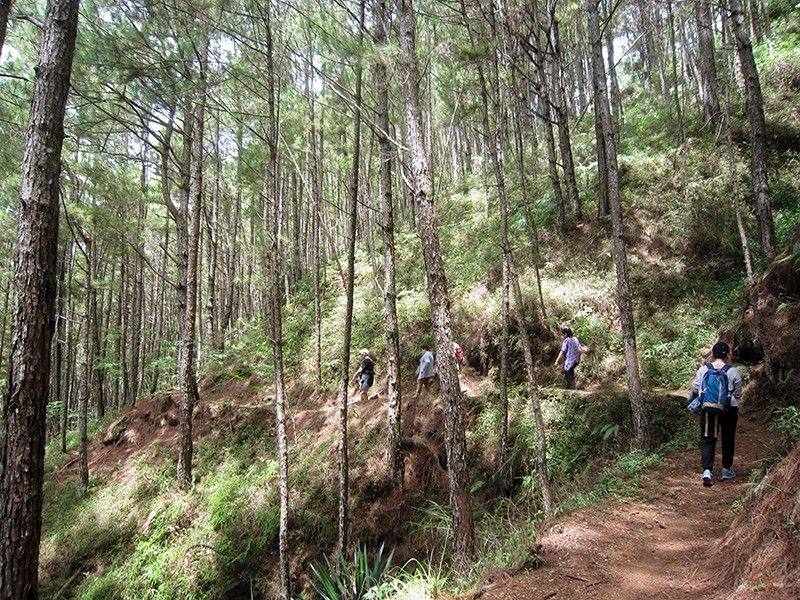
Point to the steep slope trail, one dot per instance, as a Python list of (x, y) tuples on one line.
[(652, 547)]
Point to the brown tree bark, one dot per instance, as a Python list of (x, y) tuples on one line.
[(533, 392), (530, 221), (492, 133), (675, 81), (562, 111), (212, 245), (708, 69), (613, 80), (87, 370), (5, 10), (759, 326), (344, 377), (26, 395), (271, 187), (620, 255), (161, 317), (189, 395), (315, 171), (69, 335), (455, 438), (758, 130), (92, 320), (6, 297), (546, 116), (394, 459), (59, 338)]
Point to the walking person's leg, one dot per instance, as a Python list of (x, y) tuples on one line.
[(728, 423), (570, 377), (708, 446)]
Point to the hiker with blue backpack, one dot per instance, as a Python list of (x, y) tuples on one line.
[(716, 391)]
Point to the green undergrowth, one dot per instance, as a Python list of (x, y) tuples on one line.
[(590, 460), (133, 535)]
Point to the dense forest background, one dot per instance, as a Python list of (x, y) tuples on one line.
[(250, 192)]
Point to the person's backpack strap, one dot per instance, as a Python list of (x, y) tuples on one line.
[(724, 370)]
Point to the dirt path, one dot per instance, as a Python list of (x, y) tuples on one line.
[(650, 548)]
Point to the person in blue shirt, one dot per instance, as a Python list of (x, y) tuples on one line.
[(570, 355)]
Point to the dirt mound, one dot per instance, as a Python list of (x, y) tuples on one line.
[(156, 421), (779, 291), (761, 550)]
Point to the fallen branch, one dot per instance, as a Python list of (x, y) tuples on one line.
[(66, 584)]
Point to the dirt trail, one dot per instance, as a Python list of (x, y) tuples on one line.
[(649, 548)]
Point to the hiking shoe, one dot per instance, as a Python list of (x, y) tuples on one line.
[(708, 478), (728, 473)]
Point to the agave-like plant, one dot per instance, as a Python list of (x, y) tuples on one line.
[(345, 581)]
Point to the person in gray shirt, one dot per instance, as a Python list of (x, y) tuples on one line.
[(725, 422), (425, 370)]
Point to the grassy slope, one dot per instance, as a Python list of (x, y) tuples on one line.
[(134, 536)]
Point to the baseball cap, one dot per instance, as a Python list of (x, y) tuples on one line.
[(720, 350)]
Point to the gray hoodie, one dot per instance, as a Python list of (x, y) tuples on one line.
[(735, 385)]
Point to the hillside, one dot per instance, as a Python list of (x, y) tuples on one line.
[(212, 213)]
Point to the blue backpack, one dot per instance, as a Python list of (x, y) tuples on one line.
[(714, 395)]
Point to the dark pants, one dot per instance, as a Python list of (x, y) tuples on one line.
[(726, 425), (570, 377)]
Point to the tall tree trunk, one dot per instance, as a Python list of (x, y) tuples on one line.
[(456, 446), (614, 94), (87, 371), (758, 130), (59, 336), (759, 326), (546, 115), (708, 69), (73, 335), (510, 280), (123, 320), (276, 332), (5, 10), (316, 191), (603, 204), (344, 378), (161, 313), (24, 409), (136, 311), (70, 358), (105, 327), (492, 133), (212, 230), (6, 296), (92, 320), (530, 220), (675, 81), (562, 112), (533, 392), (394, 459), (755, 27), (620, 256), (188, 380)]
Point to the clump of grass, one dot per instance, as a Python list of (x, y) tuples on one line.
[(623, 479)]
